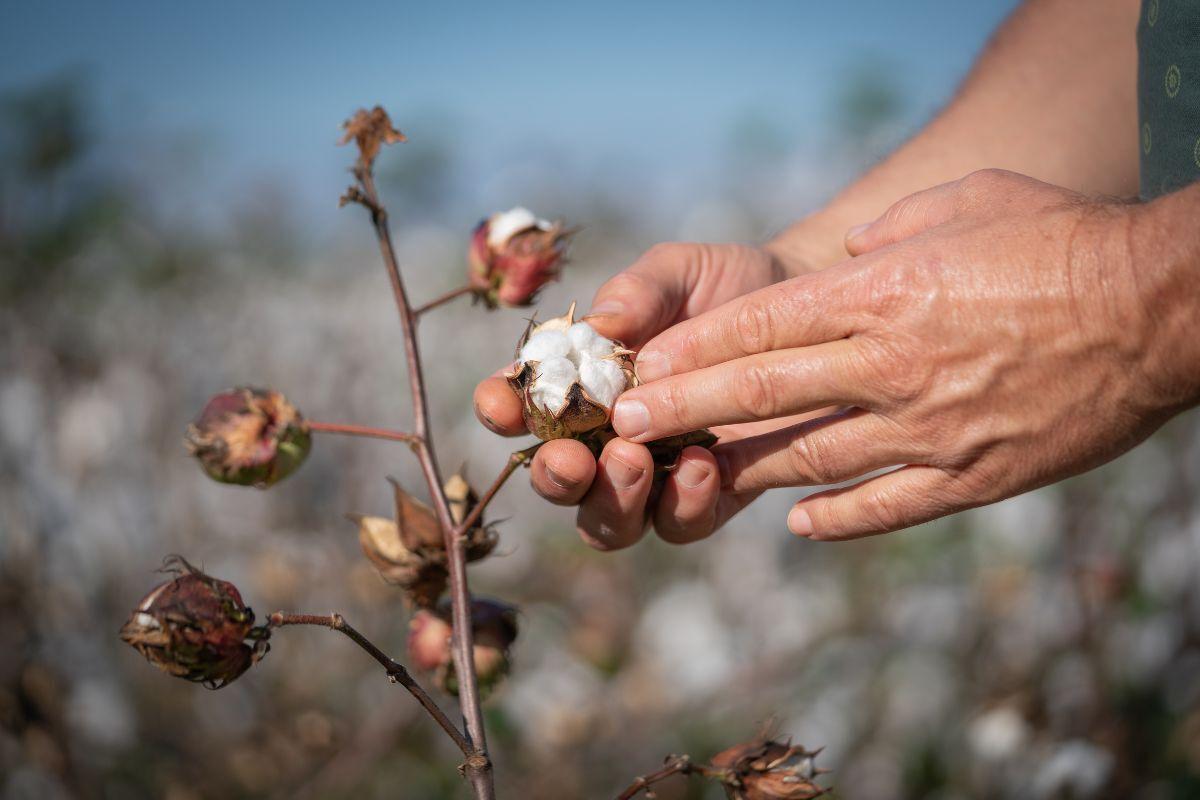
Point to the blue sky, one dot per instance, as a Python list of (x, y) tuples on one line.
[(265, 83)]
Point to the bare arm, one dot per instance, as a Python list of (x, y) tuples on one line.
[(1053, 96)]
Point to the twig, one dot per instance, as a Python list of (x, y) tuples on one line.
[(362, 430), (515, 460), (443, 299), (675, 765), (396, 671), (478, 767)]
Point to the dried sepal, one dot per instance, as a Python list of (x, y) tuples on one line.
[(768, 769), (370, 130), (421, 572), (481, 539), (196, 627)]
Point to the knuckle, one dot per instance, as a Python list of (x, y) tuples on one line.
[(754, 327), (675, 403), (669, 251), (813, 459), (755, 392), (883, 510), (900, 375)]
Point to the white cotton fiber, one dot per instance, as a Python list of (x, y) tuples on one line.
[(586, 342), (554, 378), (504, 224), (602, 379), (547, 344)]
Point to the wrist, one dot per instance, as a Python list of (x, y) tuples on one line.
[(1162, 253), (811, 244)]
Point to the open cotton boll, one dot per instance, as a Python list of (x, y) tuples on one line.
[(602, 379), (553, 382), (547, 344), (585, 341)]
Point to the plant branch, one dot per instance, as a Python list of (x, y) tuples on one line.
[(675, 765), (478, 766), (443, 299), (396, 671), (362, 430), (517, 459)]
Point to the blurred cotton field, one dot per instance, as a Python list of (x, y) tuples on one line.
[(1046, 647)]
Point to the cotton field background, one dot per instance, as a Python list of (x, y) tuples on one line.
[(1045, 647)]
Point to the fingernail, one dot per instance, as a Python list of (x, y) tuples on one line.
[(558, 480), (631, 418), (607, 308), (650, 366), (691, 473), (623, 475), (856, 231), (799, 522)]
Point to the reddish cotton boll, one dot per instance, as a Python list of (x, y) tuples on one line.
[(494, 625), (196, 627), (249, 437), (766, 769), (513, 254)]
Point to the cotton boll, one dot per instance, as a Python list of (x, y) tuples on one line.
[(602, 379), (585, 341), (554, 378), (546, 345)]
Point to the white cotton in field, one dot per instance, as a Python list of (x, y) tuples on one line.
[(602, 379), (554, 378), (547, 344), (586, 342)]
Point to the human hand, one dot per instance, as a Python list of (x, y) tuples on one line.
[(669, 284), (992, 336)]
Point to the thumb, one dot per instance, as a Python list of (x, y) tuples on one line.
[(905, 218), (672, 282)]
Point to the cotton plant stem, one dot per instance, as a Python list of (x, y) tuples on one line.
[(441, 300), (517, 459), (478, 768), (675, 765), (361, 430), (396, 671)]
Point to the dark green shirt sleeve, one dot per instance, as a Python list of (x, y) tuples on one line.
[(1168, 95)]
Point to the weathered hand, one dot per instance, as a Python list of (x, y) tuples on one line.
[(669, 284), (992, 335)]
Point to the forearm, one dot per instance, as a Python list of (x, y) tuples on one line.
[(1053, 96)]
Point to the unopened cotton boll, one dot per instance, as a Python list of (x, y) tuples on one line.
[(554, 377), (546, 345), (602, 379)]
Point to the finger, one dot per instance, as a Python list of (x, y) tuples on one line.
[(498, 407), (758, 387), (672, 282), (562, 471), (904, 218), (806, 310), (830, 449), (687, 507), (891, 502), (613, 514), (927, 209)]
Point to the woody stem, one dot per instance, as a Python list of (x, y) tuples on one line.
[(515, 460), (396, 671), (478, 768)]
